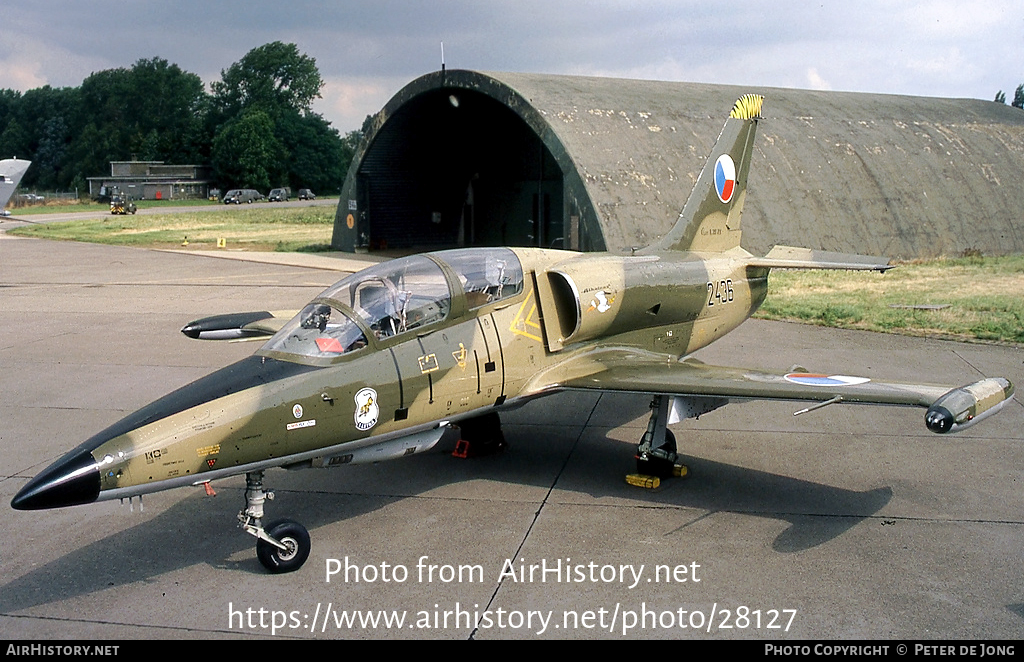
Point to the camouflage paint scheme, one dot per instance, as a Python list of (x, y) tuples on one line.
[(379, 364)]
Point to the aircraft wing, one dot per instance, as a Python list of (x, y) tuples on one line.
[(949, 408)]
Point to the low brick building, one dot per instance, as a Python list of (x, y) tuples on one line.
[(153, 180)]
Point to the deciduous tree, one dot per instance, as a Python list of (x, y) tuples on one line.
[(247, 154), (273, 78)]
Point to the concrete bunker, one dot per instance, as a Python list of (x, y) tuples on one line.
[(463, 158)]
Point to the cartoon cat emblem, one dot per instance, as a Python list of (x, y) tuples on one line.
[(367, 410)]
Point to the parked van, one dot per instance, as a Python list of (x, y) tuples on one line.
[(278, 195), (240, 195)]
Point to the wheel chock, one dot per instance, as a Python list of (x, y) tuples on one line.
[(644, 481), (680, 470), (461, 449), (481, 446)]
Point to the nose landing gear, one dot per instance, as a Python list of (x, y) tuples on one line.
[(282, 546)]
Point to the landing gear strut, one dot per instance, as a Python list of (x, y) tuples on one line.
[(282, 546), (656, 454), (479, 436)]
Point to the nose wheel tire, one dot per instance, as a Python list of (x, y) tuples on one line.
[(294, 537)]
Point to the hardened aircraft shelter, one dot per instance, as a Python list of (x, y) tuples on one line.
[(463, 158)]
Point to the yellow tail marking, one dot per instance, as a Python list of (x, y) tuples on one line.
[(748, 107)]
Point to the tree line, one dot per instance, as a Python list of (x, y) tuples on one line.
[(1018, 97), (255, 127)]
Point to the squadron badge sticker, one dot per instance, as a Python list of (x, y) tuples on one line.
[(367, 410), (601, 302)]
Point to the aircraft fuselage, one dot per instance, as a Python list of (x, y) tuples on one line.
[(275, 409)]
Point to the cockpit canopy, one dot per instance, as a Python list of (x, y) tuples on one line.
[(395, 297)]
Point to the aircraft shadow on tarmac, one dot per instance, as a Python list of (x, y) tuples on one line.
[(200, 530)]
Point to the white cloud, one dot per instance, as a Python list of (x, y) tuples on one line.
[(28, 62), (16, 74), (346, 102), (815, 81), (367, 51)]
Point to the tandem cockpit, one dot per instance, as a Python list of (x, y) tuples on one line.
[(393, 298)]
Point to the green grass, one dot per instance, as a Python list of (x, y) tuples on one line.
[(60, 207), (985, 295), (985, 298), (65, 207), (252, 227)]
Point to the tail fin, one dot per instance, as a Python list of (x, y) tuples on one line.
[(710, 220), (11, 172)]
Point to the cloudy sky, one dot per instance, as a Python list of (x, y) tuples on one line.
[(367, 51)]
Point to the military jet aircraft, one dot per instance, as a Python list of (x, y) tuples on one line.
[(11, 172), (379, 365)]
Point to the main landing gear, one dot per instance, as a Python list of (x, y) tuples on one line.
[(656, 456), (281, 546), (479, 436)]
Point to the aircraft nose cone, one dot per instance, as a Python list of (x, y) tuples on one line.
[(71, 481)]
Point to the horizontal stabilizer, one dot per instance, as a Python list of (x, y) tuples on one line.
[(790, 257)]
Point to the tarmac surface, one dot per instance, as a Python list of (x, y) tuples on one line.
[(851, 522)]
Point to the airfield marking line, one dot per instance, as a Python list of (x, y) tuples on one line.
[(96, 284), (536, 515), (92, 621), (971, 365)]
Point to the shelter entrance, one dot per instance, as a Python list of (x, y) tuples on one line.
[(455, 167)]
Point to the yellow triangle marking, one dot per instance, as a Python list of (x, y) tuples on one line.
[(526, 325)]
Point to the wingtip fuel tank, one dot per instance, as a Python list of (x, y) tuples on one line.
[(962, 407)]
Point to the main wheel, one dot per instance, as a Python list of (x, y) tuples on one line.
[(656, 466), (293, 536)]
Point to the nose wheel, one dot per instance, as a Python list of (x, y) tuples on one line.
[(295, 540), (282, 546)]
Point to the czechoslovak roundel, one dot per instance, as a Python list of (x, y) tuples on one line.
[(725, 177)]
